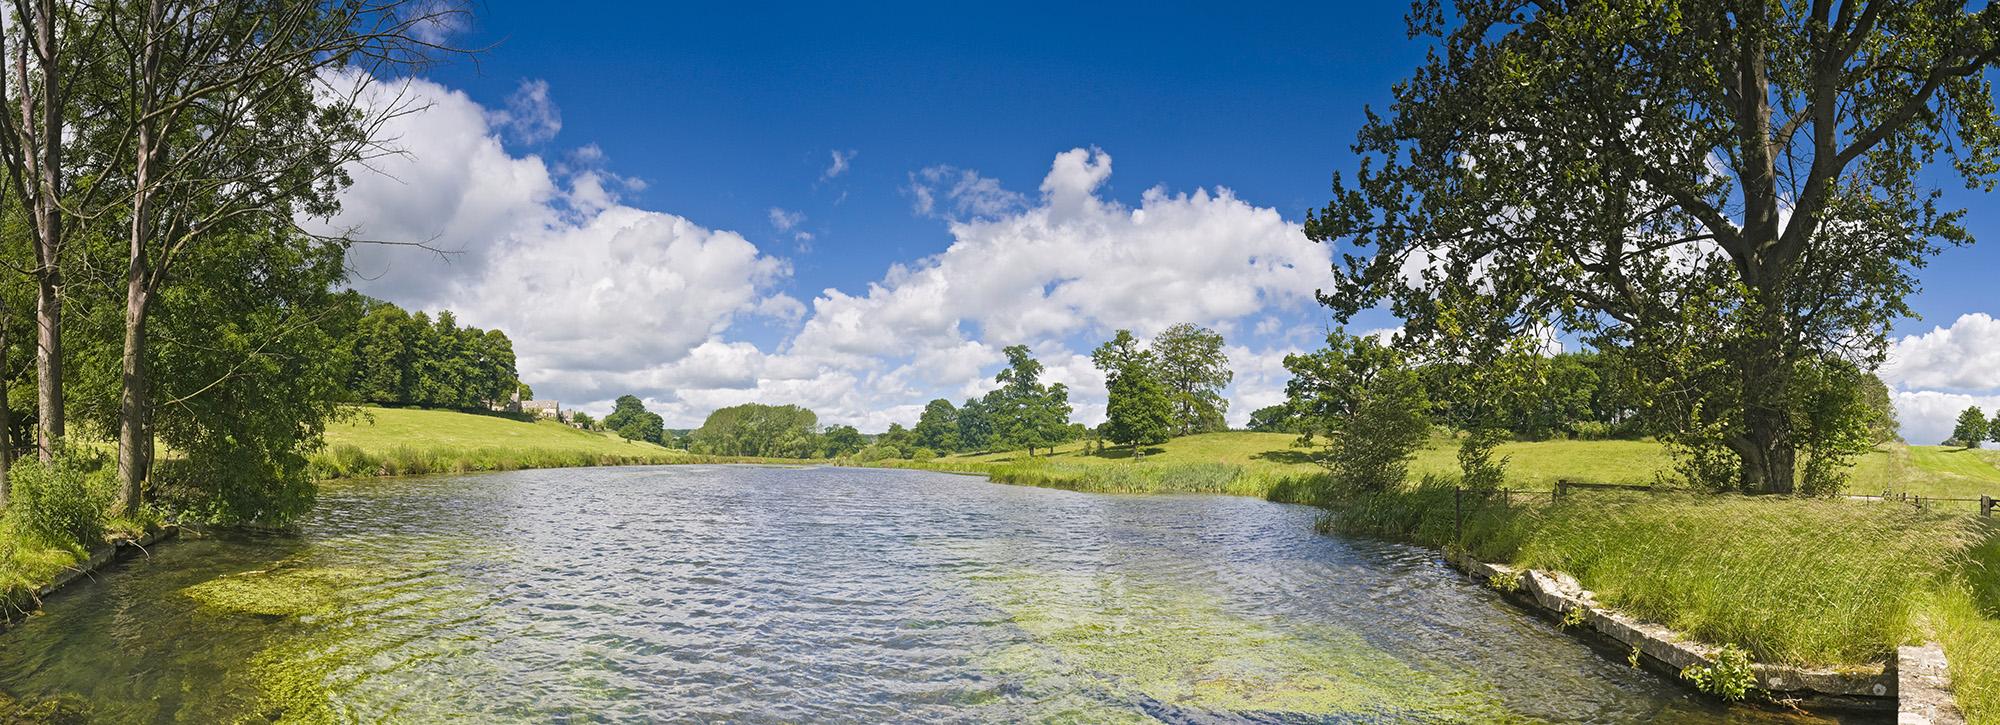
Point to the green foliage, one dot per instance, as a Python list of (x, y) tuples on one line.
[(1477, 469), (1971, 428), (975, 426), (1600, 169), (1273, 419), (583, 420), (1194, 369), (631, 421), (1024, 412), (62, 502), (405, 359), (1139, 411), (754, 429), (250, 369), (1366, 402), (842, 440), (1730, 678), (937, 428)]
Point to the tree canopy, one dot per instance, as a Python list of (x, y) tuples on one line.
[(1026, 413), (1194, 369), (1138, 411), (631, 420), (1719, 196)]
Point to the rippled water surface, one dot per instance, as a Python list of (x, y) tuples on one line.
[(711, 593)]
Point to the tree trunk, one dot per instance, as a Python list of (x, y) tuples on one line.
[(135, 429), (48, 361), (1767, 452), (47, 153), (6, 418)]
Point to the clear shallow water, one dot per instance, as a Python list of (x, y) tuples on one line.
[(706, 593)]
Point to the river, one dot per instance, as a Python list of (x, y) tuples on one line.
[(768, 594)]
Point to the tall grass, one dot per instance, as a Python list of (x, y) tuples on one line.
[(1129, 477), (1796, 581)]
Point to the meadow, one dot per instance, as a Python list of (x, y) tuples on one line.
[(378, 441)]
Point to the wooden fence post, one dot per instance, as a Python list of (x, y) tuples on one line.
[(1986, 506)]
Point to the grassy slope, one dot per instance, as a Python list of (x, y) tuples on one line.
[(404, 440)]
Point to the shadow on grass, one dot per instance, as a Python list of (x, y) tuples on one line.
[(1285, 456), (1120, 454)]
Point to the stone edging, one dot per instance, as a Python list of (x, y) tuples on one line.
[(1557, 594), (1925, 697), (98, 560)]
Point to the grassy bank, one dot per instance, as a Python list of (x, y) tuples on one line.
[(1812, 582), (1267, 465), (403, 441)]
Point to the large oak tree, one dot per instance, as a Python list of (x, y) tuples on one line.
[(1726, 196)]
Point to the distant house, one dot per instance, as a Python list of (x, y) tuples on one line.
[(544, 409)]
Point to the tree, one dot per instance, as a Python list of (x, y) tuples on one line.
[(1366, 402), (842, 440), (1882, 424), (975, 426), (1972, 428), (937, 428), (1026, 413), (226, 114), (1138, 411), (631, 421), (1273, 419), (582, 420), (754, 429), (1716, 193), (1194, 370)]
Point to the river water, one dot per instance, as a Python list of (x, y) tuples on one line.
[(755, 594)]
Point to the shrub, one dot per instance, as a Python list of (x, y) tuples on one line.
[(62, 502)]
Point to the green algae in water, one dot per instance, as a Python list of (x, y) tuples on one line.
[(278, 592), (1104, 643)]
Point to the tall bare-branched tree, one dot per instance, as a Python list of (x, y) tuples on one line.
[(239, 115)]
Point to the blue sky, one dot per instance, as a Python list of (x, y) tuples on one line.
[(728, 117)]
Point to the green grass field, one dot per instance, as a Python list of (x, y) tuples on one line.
[(401, 441), (1535, 465)]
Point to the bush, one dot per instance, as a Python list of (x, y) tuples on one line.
[(62, 502)]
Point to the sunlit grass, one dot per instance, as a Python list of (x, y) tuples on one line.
[(405, 441)]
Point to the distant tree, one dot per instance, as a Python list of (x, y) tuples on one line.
[(1273, 419), (842, 440), (1138, 411), (1194, 369), (1882, 424), (582, 420), (1995, 434), (1026, 413), (755, 429), (937, 429), (525, 391), (975, 426), (1365, 401), (1972, 428), (631, 421)]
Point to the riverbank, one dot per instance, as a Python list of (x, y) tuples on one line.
[(1812, 583), (1817, 584)]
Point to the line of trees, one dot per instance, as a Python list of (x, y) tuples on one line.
[(1172, 388), (408, 359), (154, 162)]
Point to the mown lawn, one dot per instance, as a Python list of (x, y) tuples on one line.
[(394, 441)]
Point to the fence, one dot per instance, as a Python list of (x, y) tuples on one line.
[(1564, 487)]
